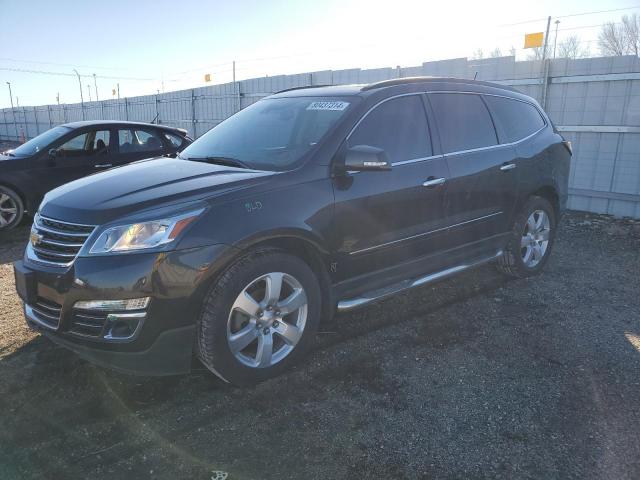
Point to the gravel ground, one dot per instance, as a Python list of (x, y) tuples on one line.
[(475, 377)]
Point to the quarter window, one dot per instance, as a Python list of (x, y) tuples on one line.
[(176, 140), (398, 126), (463, 120), (515, 119)]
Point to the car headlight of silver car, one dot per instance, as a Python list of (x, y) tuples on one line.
[(143, 235)]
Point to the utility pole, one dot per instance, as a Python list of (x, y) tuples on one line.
[(95, 85), (58, 98), (556, 39), (89, 90), (545, 65), (81, 97), (13, 113), (118, 91)]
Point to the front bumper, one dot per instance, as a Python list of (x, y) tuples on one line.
[(176, 282)]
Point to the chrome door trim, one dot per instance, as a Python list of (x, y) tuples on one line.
[(507, 167), (375, 247)]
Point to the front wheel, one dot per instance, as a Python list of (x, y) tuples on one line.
[(532, 237), (259, 317)]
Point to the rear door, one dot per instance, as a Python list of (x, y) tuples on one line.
[(483, 188), (76, 156), (135, 143), (385, 218)]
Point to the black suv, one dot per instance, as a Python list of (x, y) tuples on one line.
[(309, 201), (74, 150)]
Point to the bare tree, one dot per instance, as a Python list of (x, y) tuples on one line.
[(495, 53), (631, 27), (477, 55), (621, 38), (535, 53), (571, 47), (512, 51)]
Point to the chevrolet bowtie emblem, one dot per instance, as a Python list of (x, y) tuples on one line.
[(35, 238)]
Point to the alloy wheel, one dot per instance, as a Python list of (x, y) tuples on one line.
[(8, 210), (267, 320), (535, 238)]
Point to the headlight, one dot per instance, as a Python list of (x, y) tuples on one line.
[(139, 236)]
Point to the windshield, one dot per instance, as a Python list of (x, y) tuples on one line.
[(272, 134), (40, 142)]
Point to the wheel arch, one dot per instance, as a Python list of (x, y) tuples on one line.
[(299, 244), (549, 193)]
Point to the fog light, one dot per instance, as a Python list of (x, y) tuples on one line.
[(122, 327), (114, 305)]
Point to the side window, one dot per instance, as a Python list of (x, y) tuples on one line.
[(399, 127), (132, 140), (463, 120), (85, 144), (516, 119), (176, 140)]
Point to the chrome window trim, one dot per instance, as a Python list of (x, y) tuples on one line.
[(457, 152), (375, 247)]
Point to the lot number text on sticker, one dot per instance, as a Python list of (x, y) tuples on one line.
[(328, 105)]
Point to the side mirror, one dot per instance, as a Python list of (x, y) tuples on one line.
[(53, 153), (362, 158)]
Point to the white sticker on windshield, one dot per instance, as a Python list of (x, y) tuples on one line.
[(328, 105)]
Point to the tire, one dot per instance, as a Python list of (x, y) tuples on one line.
[(222, 323), (11, 208), (526, 254)]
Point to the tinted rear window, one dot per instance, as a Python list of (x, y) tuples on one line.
[(463, 121), (398, 126), (516, 119)]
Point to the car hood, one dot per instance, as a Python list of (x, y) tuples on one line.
[(107, 196)]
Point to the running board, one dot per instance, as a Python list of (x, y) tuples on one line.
[(381, 293)]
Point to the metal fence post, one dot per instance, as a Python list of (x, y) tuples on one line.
[(126, 108), (35, 113), (64, 113), (26, 127), (157, 109), (49, 113), (193, 112)]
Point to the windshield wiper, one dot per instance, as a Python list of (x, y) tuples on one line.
[(227, 161)]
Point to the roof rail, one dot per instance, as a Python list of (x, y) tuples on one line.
[(408, 80), (300, 88)]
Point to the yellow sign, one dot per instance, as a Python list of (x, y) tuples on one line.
[(533, 40), (207, 77)]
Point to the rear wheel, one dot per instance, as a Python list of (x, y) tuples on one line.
[(11, 208), (259, 317), (532, 237)]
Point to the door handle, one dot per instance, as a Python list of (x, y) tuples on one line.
[(433, 182), (507, 166), (103, 165)]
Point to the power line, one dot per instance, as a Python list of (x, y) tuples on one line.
[(5, 59), (64, 74)]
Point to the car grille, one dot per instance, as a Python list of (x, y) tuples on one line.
[(57, 242), (88, 323), (47, 312)]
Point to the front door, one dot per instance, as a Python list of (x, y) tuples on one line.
[(386, 218), (77, 156)]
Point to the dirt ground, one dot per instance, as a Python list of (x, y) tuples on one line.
[(474, 377)]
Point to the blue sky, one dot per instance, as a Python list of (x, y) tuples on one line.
[(156, 45)]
